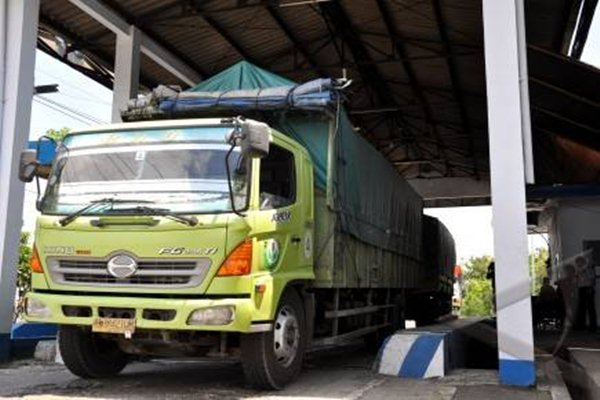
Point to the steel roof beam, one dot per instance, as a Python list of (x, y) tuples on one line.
[(149, 46), (159, 10), (397, 39), (450, 188), (583, 28), (117, 7), (103, 59), (142, 19), (562, 41), (273, 11), (92, 74), (334, 12), (443, 32), (220, 29), (369, 72)]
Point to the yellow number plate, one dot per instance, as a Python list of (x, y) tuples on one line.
[(114, 325)]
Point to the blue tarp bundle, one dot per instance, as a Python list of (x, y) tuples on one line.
[(313, 95)]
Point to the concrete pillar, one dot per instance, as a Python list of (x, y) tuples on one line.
[(18, 34), (127, 70), (507, 165)]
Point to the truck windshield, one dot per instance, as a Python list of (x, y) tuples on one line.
[(185, 177)]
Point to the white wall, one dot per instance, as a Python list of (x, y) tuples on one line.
[(577, 220), (570, 222)]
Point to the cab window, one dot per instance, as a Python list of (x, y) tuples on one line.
[(277, 179)]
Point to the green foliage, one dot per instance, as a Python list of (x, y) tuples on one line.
[(477, 267), (538, 259), (23, 271), (478, 300), (58, 134)]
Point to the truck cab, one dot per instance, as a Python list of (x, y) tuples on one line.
[(182, 237)]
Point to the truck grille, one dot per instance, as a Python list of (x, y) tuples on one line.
[(150, 273)]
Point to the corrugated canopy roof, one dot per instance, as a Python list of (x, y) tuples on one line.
[(417, 65)]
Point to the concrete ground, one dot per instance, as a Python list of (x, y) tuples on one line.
[(341, 374)]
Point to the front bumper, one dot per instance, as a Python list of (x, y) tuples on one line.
[(245, 309)]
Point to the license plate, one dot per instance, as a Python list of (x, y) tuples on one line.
[(114, 325)]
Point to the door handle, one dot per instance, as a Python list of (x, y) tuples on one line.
[(296, 239)]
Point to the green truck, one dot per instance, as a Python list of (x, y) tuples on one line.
[(226, 237)]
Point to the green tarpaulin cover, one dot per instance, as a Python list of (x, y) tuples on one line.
[(242, 76)]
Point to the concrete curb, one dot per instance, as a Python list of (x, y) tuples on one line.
[(550, 378), (413, 355), (582, 372)]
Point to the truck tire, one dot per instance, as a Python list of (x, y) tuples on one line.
[(273, 359), (89, 356)]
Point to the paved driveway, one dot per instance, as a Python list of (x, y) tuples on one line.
[(341, 374)]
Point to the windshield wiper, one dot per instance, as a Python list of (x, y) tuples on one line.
[(160, 212), (96, 203)]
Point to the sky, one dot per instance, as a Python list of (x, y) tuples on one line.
[(591, 51), (90, 103)]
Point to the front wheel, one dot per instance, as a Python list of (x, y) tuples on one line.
[(89, 356), (273, 359)]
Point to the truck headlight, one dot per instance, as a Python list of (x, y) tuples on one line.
[(37, 309), (221, 315)]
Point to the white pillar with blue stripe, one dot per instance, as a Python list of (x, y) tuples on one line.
[(509, 127), (18, 35)]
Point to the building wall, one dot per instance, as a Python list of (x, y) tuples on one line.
[(570, 223)]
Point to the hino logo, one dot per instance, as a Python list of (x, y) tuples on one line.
[(122, 266), (183, 251)]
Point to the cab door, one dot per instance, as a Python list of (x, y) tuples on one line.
[(281, 223)]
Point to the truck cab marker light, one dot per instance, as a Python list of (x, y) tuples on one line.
[(35, 262), (239, 261), (260, 288)]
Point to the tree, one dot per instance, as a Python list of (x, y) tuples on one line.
[(479, 297), (478, 301), (538, 258), (23, 271), (58, 134), (477, 267)]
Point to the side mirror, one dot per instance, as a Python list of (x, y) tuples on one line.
[(29, 167), (255, 139)]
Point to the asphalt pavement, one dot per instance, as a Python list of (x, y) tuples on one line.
[(343, 373)]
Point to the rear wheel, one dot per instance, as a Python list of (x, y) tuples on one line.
[(273, 359), (89, 356)]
